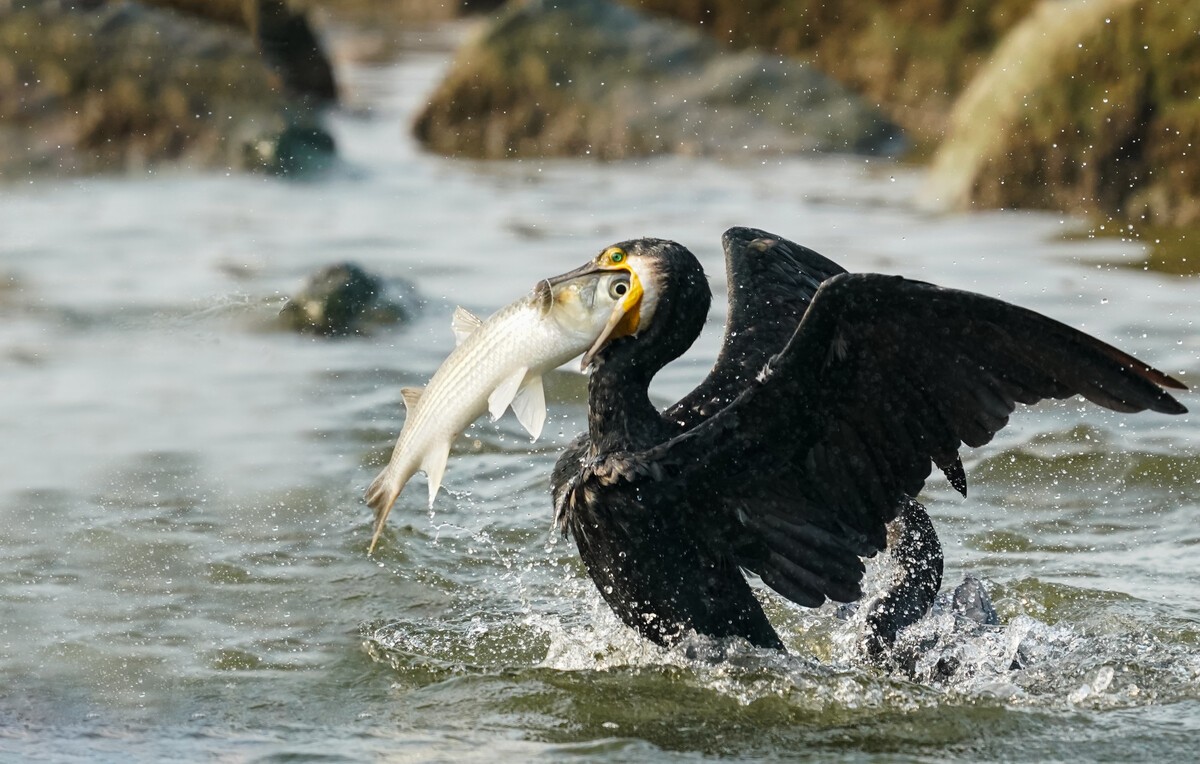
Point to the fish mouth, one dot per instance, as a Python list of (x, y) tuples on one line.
[(627, 314)]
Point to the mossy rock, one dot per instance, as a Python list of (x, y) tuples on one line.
[(344, 299), (298, 151), (912, 57), (1090, 108), (593, 78), (118, 86)]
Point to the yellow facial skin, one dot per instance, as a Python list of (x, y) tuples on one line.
[(627, 315), (616, 258)]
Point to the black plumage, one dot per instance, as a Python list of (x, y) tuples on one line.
[(831, 398)]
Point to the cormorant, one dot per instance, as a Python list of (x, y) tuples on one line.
[(831, 397)]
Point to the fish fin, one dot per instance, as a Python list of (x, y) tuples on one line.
[(434, 465), (530, 406), (383, 492), (411, 395), (505, 392), (463, 323)]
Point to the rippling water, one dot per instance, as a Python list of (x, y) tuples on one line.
[(183, 566)]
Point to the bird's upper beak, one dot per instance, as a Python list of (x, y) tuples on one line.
[(626, 314)]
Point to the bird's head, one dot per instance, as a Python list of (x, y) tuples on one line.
[(664, 308)]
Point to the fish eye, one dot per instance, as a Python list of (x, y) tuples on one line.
[(618, 288)]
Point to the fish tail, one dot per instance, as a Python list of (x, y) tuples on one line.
[(382, 494)]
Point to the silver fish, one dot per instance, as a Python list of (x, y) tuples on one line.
[(498, 363)]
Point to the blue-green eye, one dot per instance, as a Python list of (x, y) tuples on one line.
[(616, 256)]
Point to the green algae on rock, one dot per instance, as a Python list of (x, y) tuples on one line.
[(1090, 108), (592, 78)]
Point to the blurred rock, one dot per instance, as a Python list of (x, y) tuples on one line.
[(911, 57), (89, 86), (590, 77), (1085, 107), (296, 151), (344, 299), (282, 34), (388, 12)]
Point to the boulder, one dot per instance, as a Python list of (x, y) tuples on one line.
[(344, 299), (593, 78), (281, 33), (912, 57), (1090, 108), (95, 86), (297, 150)]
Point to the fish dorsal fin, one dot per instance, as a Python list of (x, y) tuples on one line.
[(434, 465), (411, 395), (505, 392), (463, 323), (530, 406)]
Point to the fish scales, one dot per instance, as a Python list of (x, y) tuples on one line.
[(509, 340), (498, 362)]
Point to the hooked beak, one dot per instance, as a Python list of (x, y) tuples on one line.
[(626, 315)]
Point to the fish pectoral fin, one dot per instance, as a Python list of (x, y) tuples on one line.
[(463, 324), (530, 406), (505, 392), (434, 465), (411, 395)]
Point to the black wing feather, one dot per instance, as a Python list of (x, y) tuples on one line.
[(771, 282), (882, 377)]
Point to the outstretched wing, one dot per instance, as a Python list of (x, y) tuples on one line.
[(771, 282), (882, 376)]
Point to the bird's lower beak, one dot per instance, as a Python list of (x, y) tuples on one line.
[(625, 317)]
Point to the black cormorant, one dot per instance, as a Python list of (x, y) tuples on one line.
[(832, 396)]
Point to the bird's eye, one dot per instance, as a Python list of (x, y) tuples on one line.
[(618, 288), (616, 256)]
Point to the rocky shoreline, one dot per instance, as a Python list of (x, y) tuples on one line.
[(592, 78), (1087, 108), (115, 86)]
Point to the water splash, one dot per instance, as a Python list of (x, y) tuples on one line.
[(945, 657)]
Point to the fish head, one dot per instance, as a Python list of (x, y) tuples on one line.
[(583, 304), (623, 292)]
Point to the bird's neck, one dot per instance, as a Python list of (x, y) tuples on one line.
[(620, 414)]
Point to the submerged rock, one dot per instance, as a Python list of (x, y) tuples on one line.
[(101, 86), (590, 77), (1085, 107), (296, 150), (344, 299), (972, 601)]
